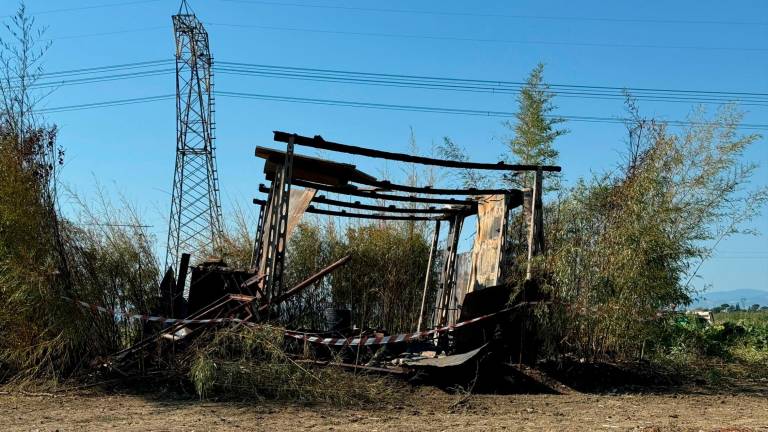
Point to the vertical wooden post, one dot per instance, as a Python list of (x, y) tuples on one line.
[(278, 225), (181, 283), (534, 224), (448, 282), (257, 238), (428, 274)]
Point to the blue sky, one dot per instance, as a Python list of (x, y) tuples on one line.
[(698, 45)]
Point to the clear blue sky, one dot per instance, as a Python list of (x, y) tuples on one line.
[(699, 45)]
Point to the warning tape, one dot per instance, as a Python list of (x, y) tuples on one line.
[(405, 337), (361, 341), (152, 318)]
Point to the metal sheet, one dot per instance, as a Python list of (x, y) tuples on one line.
[(447, 361)]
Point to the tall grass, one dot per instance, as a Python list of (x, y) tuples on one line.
[(382, 283), (99, 259)]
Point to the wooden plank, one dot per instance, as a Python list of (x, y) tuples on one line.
[(386, 209), (488, 247), (312, 168), (389, 186)]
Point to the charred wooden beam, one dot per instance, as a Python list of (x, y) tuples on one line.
[(353, 191), (318, 142), (376, 216), (387, 209), (387, 185)]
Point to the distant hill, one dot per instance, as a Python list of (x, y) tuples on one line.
[(741, 297)]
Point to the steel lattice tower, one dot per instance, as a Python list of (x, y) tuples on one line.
[(195, 220)]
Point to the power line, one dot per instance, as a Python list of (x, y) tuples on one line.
[(380, 106), (485, 86), (99, 79), (403, 80), (493, 82), (488, 40), (79, 8), (492, 15), (110, 103), (460, 111), (109, 33), (141, 69), (121, 66)]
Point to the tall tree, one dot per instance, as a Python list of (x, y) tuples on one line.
[(21, 55), (535, 129)]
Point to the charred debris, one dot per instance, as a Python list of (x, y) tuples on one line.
[(474, 315)]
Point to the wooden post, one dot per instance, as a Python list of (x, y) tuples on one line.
[(448, 281), (428, 274), (534, 224)]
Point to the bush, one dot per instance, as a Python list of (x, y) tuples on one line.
[(625, 246)]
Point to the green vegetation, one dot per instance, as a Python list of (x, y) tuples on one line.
[(626, 245), (735, 345), (382, 284), (44, 258)]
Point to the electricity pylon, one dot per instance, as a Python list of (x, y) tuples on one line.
[(195, 220)]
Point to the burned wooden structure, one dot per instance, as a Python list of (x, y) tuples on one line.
[(297, 184), (469, 289)]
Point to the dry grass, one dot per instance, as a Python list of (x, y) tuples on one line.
[(248, 362)]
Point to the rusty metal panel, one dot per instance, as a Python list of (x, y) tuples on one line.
[(487, 251)]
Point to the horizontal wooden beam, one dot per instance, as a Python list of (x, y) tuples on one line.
[(353, 191), (376, 216), (388, 209), (389, 186), (318, 142)]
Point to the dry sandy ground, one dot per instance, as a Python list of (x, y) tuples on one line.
[(425, 410)]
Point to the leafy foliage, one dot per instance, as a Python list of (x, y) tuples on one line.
[(625, 245), (535, 129)]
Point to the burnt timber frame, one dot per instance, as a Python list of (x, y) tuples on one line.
[(448, 276), (319, 143), (277, 211), (377, 216), (374, 194), (274, 213), (357, 205)]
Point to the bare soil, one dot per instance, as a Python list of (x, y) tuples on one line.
[(731, 408)]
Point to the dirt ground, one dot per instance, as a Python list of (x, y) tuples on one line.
[(426, 409)]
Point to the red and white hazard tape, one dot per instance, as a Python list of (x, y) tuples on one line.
[(381, 340), (370, 340), (152, 318)]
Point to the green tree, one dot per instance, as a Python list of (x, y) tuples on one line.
[(535, 130)]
